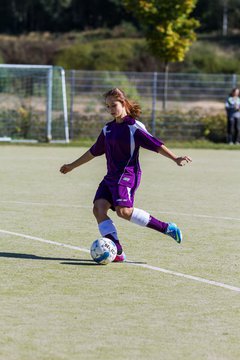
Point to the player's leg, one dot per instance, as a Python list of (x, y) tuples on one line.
[(105, 225), (143, 218), (125, 210), (102, 203), (100, 210)]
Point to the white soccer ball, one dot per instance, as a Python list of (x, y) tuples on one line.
[(103, 251)]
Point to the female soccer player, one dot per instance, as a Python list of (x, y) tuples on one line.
[(120, 141)]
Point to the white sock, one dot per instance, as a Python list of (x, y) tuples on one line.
[(107, 227), (140, 217)]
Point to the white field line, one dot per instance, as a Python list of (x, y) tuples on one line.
[(145, 266), (44, 240), (45, 204), (89, 207)]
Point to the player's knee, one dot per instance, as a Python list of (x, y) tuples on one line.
[(95, 210), (124, 212), (99, 210)]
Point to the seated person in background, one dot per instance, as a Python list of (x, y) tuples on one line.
[(232, 106)]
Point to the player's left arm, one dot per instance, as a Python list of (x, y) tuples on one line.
[(179, 160), (149, 142)]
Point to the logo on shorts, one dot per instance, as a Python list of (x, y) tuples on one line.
[(121, 200)]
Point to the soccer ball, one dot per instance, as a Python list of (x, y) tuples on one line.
[(103, 251)]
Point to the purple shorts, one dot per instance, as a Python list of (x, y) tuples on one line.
[(115, 194)]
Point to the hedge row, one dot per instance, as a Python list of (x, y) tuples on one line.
[(182, 126), (167, 126)]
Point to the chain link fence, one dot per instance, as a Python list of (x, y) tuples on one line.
[(46, 103), (163, 103)]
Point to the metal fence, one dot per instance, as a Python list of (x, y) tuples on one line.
[(29, 97), (184, 93)]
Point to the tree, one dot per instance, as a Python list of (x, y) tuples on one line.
[(218, 15), (168, 28)]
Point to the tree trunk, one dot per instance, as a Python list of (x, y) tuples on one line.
[(225, 18)]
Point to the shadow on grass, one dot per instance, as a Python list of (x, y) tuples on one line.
[(116, 263), (66, 261), (35, 257), (81, 262)]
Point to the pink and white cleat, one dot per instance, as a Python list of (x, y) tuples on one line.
[(120, 258)]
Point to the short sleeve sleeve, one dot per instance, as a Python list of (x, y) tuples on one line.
[(98, 148), (147, 141)]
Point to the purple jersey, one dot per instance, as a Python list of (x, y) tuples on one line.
[(120, 142)]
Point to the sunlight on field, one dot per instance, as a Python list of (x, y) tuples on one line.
[(57, 304)]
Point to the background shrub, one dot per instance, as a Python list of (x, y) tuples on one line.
[(27, 50), (108, 54), (215, 127), (205, 57)]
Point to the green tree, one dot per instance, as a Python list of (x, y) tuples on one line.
[(218, 15), (20, 16), (168, 27)]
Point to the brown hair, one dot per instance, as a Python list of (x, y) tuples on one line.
[(132, 108)]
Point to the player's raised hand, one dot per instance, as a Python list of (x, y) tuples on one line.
[(66, 168), (183, 160)]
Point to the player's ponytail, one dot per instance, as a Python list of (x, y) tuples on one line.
[(132, 108)]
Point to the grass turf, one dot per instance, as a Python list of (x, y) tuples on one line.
[(57, 304)]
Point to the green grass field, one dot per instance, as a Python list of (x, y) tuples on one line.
[(57, 304)]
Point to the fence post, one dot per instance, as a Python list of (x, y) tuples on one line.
[(65, 112), (49, 104), (165, 87), (72, 93), (234, 80), (154, 102)]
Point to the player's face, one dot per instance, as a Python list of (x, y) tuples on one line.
[(236, 92), (116, 108)]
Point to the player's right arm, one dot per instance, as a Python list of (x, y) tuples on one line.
[(96, 150), (87, 156)]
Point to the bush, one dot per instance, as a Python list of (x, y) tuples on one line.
[(209, 58), (21, 123), (169, 126), (109, 54), (28, 50), (190, 126), (121, 81), (215, 127), (2, 60)]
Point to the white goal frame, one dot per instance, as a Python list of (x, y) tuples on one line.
[(49, 101)]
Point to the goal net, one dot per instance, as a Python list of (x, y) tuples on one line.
[(33, 104)]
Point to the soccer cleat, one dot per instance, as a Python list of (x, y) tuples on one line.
[(174, 232), (120, 258)]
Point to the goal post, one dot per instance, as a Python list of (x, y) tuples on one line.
[(33, 103)]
